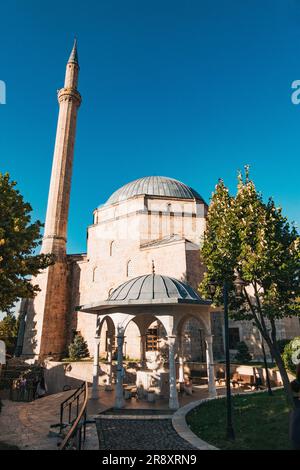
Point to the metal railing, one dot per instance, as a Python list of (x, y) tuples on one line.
[(77, 432)]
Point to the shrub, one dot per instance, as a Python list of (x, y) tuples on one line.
[(242, 356), (78, 349), (281, 343), (9, 332), (291, 353)]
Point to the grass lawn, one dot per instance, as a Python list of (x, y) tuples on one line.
[(4, 446), (260, 422)]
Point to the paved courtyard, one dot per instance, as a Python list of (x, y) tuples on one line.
[(27, 425), (141, 425)]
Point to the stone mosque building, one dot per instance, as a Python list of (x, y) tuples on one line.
[(134, 292)]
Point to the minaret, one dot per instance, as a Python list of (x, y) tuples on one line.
[(55, 234), (47, 314)]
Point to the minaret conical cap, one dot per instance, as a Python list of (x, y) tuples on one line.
[(74, 54)]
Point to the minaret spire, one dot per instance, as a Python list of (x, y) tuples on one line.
[(74, 54), (60, 185)]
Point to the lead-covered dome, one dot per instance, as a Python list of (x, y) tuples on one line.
[(155, 287), (154, 186)]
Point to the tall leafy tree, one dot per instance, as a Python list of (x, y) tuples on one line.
[(19, 238), (250, 239)]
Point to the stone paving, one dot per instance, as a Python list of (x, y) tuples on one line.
[(139, 434), (27, 425)]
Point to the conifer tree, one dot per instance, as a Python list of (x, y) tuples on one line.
[(242, 356), (78, 349)]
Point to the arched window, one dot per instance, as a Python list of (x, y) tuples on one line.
[(129, 268), (95, 274), (169, 207), (111, 248)]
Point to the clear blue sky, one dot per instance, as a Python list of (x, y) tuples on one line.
[(188, 89)]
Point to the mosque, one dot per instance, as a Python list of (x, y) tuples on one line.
[(133, 294)]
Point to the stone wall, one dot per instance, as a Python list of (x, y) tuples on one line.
[(46, 316), (61, 374), (71, 374)]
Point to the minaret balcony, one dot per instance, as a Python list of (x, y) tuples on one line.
[(69, 94)]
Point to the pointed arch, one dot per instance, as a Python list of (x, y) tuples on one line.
[(95, 274), (129, 268), (112, 248)]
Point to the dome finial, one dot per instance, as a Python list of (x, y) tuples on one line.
[(153, 267)]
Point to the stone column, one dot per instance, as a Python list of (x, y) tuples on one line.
[(108, 386), (119, 401), (210, 366), (181, 364), (143, 350), (95, 386), (173, 397)]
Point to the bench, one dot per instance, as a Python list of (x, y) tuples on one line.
[(198, 376), (247, 376), (129, 391)]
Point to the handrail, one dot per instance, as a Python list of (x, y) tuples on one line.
[(74, 427), (68, 403), (72, 397)]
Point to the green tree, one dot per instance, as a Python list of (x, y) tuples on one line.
[(291, 354), (19, 238), (9, 332), (242, 356), (78, 349), (250, 239)]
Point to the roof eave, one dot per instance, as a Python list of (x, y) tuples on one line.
[(104, 305)]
